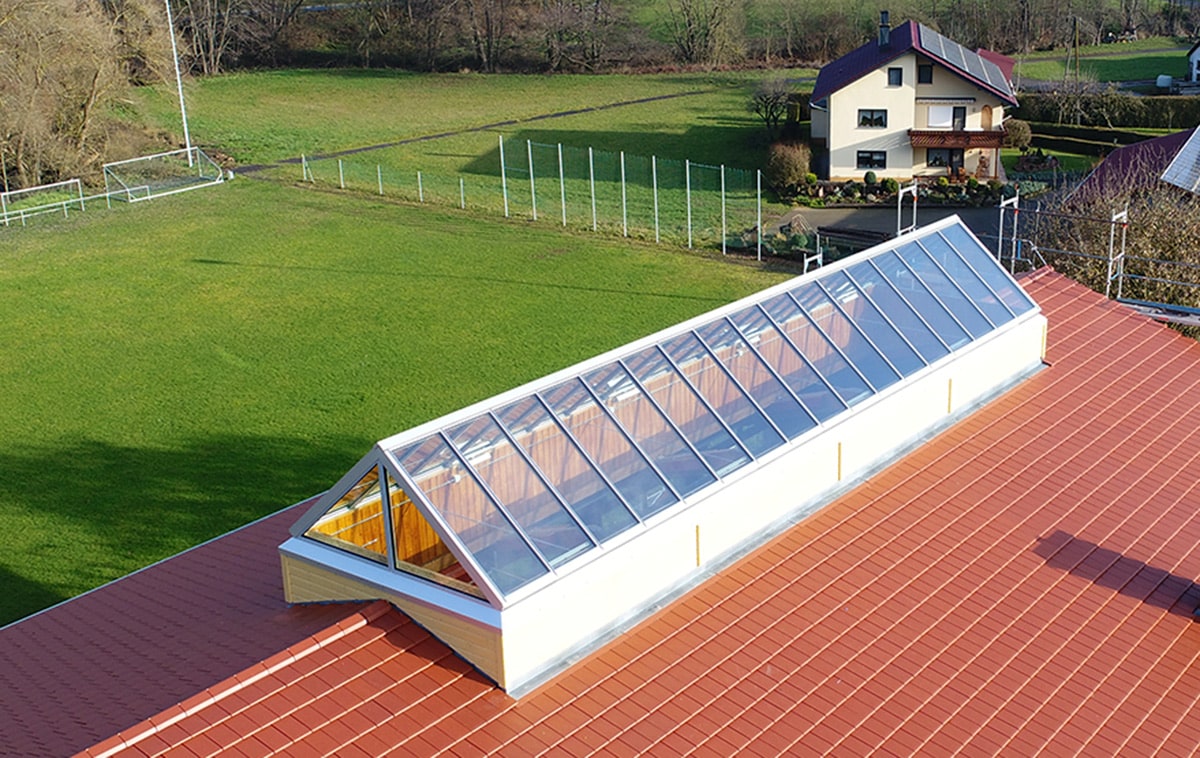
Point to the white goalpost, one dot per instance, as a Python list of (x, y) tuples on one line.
[(150, 176), (45, 198)]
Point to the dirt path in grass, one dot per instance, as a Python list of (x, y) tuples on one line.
[(249, 169)]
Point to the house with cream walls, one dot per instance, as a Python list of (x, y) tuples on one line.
[(911, 103)]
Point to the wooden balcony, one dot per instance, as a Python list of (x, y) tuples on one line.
[(956, 138)]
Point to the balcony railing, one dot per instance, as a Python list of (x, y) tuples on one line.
[(956, 138)]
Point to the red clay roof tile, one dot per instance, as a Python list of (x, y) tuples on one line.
[(1023, 583)]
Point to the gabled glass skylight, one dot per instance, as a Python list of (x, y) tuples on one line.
[(522, 487)]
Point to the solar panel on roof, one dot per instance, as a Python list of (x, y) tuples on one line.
[(963, 59), (1184, 169)]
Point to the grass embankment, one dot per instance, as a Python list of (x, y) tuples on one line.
[(177, 368)]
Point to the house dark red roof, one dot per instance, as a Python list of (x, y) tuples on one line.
[(1021, 583), (1133, 167), (980, 70)]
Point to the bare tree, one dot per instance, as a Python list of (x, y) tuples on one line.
[(703, 30), (61, 69), (770, 102), (576, 33), (263, 26), (210, 29)]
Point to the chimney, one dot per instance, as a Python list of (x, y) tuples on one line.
[(885, 30)]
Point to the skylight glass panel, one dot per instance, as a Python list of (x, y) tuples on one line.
[(356, 522), (723, 394), (571, 474), (966, 278), (874, 324), (522, 493), (465, 507), (899, 311), (834, 323), (825, 356), (947, 293), (688, 411), (888, 268), (752, 373), (623, 465), (649, 428), (982, 262), (797, 373)]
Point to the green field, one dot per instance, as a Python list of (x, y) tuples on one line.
[(177, 368), (314, 112), (1143, 59)]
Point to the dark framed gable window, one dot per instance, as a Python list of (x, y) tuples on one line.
[(925, 73), (872, 118), (895, 76), (872, 159)]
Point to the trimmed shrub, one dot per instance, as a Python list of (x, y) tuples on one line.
[(890, 185), (871, 179), (1017, 134), (788, 166)]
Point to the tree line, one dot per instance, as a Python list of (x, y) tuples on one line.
[(66, 66)]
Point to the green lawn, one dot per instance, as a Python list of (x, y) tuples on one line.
[(268, 116), (179, 367), (1143, 59)]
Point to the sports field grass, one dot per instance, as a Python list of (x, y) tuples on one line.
[(177, 368), (261, 117)]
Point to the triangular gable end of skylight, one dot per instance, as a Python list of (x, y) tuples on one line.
[(407, 536)]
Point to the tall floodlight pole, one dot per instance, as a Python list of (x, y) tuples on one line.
[(187, 138)]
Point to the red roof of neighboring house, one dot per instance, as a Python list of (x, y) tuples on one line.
[(1003, 62), (913, 37), (1022, 582)]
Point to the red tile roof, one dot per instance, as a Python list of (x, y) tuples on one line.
[(1021, 583), (76, 673)]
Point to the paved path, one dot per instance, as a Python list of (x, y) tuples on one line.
[(985, 222)]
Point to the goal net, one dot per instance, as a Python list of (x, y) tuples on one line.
[(59, 197), (150, 176)]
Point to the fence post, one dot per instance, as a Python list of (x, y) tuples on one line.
[(624, 206), (592, 182), (724, 234), (341, 175), (687, 181), (379, 176), (532, 189), (503, 176), (758, 193), (462, 193), (654, 180), (562, 186), (420, 189)]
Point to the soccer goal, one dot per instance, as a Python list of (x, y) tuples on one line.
[(59, 197), (151, 176)]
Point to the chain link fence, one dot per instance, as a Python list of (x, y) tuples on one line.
[(617, 193)]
